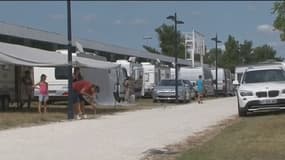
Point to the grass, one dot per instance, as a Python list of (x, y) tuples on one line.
[(57, 112), (258, 137)]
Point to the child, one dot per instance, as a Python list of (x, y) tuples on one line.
[(43, 96), (200, 89)]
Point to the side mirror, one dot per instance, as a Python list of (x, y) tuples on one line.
[(235, 82)]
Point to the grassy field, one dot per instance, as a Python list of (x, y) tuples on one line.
[(258, 137), (58, 112)]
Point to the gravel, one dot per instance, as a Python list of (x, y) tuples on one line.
[(123, 136)]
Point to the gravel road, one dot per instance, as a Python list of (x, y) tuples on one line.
[(123, 136)]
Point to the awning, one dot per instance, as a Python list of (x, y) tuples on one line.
[(27, 56)]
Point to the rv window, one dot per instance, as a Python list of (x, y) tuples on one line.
[(146, 77), (61, 72)]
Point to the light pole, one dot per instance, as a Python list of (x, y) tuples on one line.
[(174, 18), (70, 105), (216, 41)]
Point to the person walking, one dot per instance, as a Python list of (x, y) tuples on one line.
[(83, 90), (43, 96), (200, 89), (27, 90)]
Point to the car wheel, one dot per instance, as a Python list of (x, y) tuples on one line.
[(242, 112)]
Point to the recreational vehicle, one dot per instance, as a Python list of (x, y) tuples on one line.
[(135, 73), (192, 74), (225, 81)]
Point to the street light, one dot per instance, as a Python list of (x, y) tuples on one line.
[(70, 105), (216, 41), (174, 18)]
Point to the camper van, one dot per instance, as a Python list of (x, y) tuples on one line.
[(225, 81), (135, 72), (192, 74)]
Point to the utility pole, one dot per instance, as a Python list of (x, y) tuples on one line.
[(69, 56), (216, 42)]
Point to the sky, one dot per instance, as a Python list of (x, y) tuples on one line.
[(126, 23)]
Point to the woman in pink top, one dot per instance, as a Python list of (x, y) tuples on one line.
[(43, 96)]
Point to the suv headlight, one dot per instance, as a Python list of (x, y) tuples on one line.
[(246, 93)]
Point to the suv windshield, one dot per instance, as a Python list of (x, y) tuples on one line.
[(169, 83), (264, 76)]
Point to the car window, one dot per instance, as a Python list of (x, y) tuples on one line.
[(264, 76)]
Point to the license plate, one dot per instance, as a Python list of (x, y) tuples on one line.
[(268, 101)]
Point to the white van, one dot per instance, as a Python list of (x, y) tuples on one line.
[(150, 78), (192, 74), (225, 81)]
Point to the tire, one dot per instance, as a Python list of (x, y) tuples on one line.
[(241, 112)]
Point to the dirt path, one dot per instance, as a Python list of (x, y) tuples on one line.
[(124, 136)]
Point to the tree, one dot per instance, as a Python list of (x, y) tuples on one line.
[(263, 53), (166, 34), (279, 22), (245, 52), (210, 57), (231, 57)]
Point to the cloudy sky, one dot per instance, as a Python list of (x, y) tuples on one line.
[(127, 23)]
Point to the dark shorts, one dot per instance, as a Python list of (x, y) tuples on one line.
[(76, 97)]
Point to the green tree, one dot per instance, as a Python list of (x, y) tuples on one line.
[(166, 35), (263, 53), (231, 56), (279, 22), (245, 52), (210, 57)]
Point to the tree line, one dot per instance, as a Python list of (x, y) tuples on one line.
[(234, 54)]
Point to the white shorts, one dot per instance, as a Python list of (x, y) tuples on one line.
[(43, 98)]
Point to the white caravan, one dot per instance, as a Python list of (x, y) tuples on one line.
[(57, 84), (225, 81), (192, 74), (150, 78), (135, 72)]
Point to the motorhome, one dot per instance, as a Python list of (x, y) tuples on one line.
[(134, 70), (225, 81), (192, 74)]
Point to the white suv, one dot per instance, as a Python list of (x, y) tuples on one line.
[(261, 88)]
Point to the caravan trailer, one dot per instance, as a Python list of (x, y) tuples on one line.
[(152, 74), (192, 74), (150, 78), (135, 72)]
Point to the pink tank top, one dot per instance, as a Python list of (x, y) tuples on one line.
[(43, 88)]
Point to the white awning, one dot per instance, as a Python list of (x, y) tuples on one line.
[(27, 56)]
